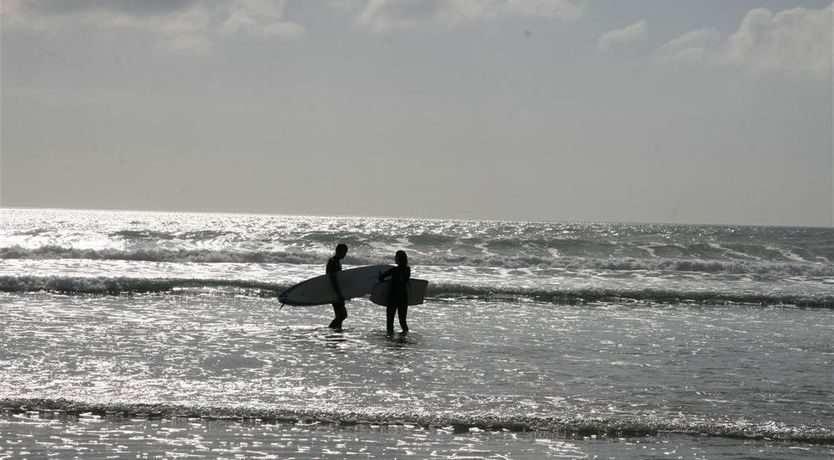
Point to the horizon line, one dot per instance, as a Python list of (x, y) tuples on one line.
[(354, 216)]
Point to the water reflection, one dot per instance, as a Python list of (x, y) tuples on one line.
[(39, 435), (401, 339), (469, 358)]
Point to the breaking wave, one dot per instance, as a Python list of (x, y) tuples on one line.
[(514, 261), (125, 285), (160, 255), (592, 426), (438, 291), (660, 296)]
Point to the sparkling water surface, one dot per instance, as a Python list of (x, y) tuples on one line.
[(537, 340), (90, 436)]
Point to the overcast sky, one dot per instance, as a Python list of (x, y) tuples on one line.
[(707, 111)]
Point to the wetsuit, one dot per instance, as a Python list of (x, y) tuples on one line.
[(398, 296), (335, 265)]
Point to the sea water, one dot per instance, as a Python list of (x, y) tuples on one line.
[(160, 334)]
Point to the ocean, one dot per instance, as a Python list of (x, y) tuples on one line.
[(139, 334)]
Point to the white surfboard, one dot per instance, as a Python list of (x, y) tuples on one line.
[(416, 292), (354, 282)]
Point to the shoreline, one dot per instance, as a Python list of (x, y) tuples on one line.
[(44, 433)]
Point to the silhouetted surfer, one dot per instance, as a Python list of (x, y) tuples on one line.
[(398, 295), (334, 265)]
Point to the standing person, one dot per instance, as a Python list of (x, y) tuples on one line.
[(398, 295), (334, 265)]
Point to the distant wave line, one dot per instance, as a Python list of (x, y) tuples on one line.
[(521, 260), (438, 291), (124, 285)]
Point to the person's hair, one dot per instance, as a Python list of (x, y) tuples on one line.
[(401, 257), (341, 247)]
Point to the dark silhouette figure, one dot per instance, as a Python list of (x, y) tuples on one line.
[(398, 295), (334, 265)]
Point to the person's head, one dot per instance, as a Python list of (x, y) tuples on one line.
[(401, 258), (341, 250)]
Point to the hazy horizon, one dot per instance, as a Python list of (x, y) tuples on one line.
[(403, 217), (519, 110)]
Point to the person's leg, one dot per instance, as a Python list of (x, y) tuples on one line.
[(402, 313), (390, 311), (340, 313)]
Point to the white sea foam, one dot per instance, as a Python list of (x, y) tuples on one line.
[(449, 257)]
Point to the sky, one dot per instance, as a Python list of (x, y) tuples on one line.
[(683, 111)]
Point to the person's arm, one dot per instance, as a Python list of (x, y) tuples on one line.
[(387, 274), (334, 280)]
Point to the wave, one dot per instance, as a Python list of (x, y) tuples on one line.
[(660, 296), (515, 261), (614, 427), (127, 285), (712, 266), (436, 291), (161, 255), (190, 235)]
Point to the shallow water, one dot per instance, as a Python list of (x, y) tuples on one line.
[(741, 370), (47, 434)]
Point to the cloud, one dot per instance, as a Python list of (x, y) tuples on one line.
[(544, 8), (795, 40), (384, 15), (799, 39), (694, 46), (264, 17), (636, 31), (179, 26)]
